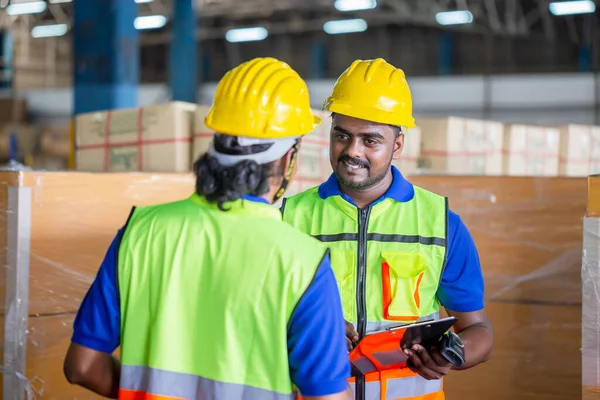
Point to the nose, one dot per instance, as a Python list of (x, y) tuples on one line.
[(355, 149)]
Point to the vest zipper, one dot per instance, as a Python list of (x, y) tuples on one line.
[(363, 221)]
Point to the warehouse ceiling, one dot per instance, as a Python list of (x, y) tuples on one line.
[(503, 36), (215, 17)]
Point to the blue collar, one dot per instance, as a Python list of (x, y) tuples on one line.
[(400, 190), (256, 199)]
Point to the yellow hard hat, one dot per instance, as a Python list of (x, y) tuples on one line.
[(262, 98), (373, 90)]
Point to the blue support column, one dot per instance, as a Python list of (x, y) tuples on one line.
[(585, 59), (105, 55), (318, 60), (183, 65), (6, 59), (445, 54)]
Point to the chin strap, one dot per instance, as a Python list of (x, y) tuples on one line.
[(288, 173)]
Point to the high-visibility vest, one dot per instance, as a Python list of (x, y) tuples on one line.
[(388, 260), (206, 297)]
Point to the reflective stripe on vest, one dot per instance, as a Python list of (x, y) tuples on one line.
[(388, 258), (401, 388), (192, 311), (145, 383)]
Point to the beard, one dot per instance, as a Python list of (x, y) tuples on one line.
[(366, 183)]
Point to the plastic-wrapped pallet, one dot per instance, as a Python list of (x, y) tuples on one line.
[(579, 150), (531, 150), (156, 138), (408, 163), (313, 161), (461, 146), (590, 274)]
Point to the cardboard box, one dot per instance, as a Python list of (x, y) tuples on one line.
[(313, 161), (461, 146), (13, 110), (579, 150), (156, 138), (408, 163), (531, 150), (54, 140)]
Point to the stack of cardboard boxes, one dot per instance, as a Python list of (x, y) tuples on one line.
[(169, 137)]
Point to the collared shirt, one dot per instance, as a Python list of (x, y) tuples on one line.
[(461, 287), (315, 333)]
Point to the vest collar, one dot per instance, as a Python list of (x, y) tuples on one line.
[(248, 205), (400, 190)]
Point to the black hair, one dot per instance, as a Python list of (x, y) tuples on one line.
[(220, 184)]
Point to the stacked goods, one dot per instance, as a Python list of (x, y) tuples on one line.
[(13, 110), (531, 150), (26, 140), (313, 161), (156, 138), (54, 148), (202, 135), (461, 146), (579, 150), (408, 163)]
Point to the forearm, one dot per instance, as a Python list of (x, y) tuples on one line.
[(106, 381), (479, 343), (101, 377)]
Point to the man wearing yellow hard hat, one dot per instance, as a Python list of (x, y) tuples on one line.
[(397, 251), (214, 297)]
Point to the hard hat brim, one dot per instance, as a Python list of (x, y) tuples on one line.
[(370, 114)]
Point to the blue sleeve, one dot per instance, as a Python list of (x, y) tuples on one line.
[(98, 321), (318, 353), (461, 288)]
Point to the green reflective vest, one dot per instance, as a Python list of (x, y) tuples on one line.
[(206, 297), (387, 258)]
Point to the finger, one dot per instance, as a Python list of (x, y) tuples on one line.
[(439, 359), (419, 367), (425, 357), (349, 343)]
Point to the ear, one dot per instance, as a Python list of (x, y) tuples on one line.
[(398, 146)]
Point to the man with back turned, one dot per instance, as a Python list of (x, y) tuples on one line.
[(213, 296)]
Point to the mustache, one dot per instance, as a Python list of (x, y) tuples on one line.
[(361, 163)]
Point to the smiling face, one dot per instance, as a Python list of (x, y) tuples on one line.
[(361, 152)]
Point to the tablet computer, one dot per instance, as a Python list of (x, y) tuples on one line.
[(383, 350)]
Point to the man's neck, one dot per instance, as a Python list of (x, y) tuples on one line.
[(364, 197)]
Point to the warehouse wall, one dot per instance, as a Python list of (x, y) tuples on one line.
[(543, 98)]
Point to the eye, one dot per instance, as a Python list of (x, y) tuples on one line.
[(370, 142), (341, 136)]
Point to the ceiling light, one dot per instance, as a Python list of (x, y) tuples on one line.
[(572, 7), (26, 8), (42, 31), (355, 5), (246, 34), (345, 26), (149, 22), (454, 17)]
